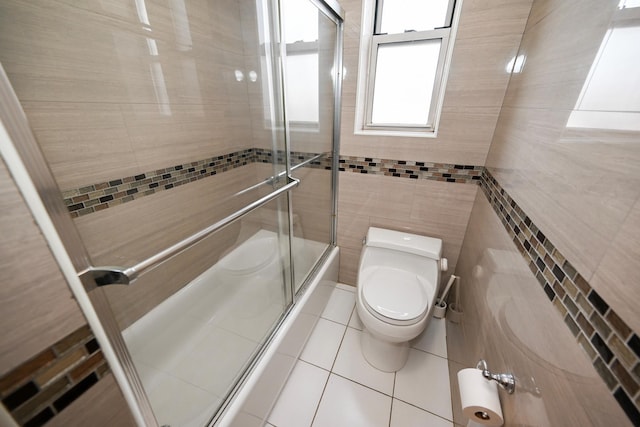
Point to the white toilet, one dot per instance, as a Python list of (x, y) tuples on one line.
[(398, 281)]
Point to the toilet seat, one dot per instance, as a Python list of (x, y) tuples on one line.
[(394, 296)]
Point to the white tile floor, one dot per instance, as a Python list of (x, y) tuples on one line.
[(333, 385)]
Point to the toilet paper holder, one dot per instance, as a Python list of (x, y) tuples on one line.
[(506, 381)]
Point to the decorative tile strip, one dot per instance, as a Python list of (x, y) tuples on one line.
[(41, 387), (411, 169), (97, 197), (611, 345)]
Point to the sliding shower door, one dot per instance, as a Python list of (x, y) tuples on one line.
[(312, 85), (176, 133)]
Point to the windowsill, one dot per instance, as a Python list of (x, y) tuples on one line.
[(405, 134)]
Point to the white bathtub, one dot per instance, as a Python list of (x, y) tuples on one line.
[(220, 312)]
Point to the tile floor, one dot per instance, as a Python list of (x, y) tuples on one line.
[(332, 385)]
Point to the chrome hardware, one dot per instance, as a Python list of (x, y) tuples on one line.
[(506, 381)]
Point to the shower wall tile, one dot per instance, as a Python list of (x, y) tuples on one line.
[(107, 97), (125, 235), (36, 305), (475, 88), (48, 355), (109, 408), (73, 128)]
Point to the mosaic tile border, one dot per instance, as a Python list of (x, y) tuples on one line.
[(97, 197), (414, 170), (41, 387), (612, 347), (100, 196)]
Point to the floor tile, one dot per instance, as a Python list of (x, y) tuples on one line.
[(351, 364), (424, 382), (323, 344), (434, 338), (355, 321), (347, 404), (299, 399), (339, 306), (405, 415)]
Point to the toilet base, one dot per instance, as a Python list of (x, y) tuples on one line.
[(383, 355)]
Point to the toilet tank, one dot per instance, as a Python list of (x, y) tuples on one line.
[(405, 251), (424, 246)]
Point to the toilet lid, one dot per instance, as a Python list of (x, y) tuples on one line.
[(395, 294)]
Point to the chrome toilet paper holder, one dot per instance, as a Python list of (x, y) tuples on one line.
[(506, 381)]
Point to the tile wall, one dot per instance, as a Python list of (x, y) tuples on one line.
[(510, 320), (568, 198), (580, 185), (48, 355)]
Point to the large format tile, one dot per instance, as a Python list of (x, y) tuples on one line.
[(339, 306), (404, 415), (323, 344), (351, 364), (347, 404), (424, 382), (299, 399), (434, 338)]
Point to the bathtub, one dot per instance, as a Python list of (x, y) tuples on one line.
[(171, 334)]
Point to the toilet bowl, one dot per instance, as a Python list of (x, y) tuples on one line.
[(398, 280)]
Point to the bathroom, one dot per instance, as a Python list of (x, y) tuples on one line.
[(122, 92)]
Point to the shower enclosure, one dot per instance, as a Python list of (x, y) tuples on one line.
[(192, 150)]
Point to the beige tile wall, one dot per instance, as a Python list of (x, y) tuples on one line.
[(580, 186), (38, 311), (36, 305), (88, 79), (509, 321)]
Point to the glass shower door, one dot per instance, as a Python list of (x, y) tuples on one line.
[(311, 91)]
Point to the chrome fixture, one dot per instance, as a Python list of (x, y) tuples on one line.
[(506, 381)]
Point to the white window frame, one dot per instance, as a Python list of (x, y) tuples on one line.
[(370, 39)]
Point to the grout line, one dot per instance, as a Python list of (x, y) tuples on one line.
[(422, 409), (360, 384), (324, 389)]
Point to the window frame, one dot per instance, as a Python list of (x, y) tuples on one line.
[(370, 40)]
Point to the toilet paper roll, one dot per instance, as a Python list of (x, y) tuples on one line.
[(479, 398)]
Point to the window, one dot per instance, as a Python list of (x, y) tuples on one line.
[(303, 81), (610, 96), (404, 49)]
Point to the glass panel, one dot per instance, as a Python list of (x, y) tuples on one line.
[(195, 345), (152, 120), (404, 81), (314, 89), (399, 16)]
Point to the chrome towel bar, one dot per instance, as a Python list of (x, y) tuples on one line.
[(125, 276)]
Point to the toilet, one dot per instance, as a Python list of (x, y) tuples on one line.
[(398, 280)]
